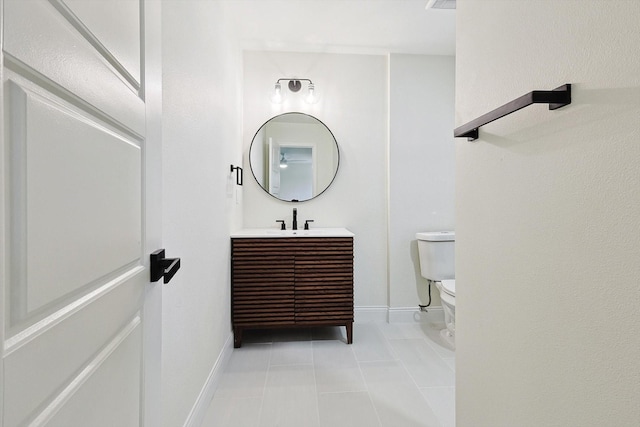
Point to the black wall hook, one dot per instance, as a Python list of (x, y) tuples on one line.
[(239, 174)]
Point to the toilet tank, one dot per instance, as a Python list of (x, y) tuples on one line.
[(436, 250)]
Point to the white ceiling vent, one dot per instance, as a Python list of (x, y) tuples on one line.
[(441, 4)]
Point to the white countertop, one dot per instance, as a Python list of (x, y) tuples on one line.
[(275, 233)]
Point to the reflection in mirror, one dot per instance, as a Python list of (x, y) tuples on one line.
[(294, 157)]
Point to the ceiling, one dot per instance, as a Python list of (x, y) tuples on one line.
[(342, 26)]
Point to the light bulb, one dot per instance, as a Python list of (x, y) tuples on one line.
[(276, 98), (311, 97)]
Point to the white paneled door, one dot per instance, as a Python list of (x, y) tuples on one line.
[(80, 213)]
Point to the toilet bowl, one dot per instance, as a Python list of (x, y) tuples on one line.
[(447, 290), (437, 264)]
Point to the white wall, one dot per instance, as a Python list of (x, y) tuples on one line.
[(547, 216), (421, 167), (201, 138), (353, 105)]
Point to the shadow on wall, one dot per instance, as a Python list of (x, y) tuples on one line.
[(422, 284)]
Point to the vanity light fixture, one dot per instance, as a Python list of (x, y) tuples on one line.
[(311, 97), (294, 86), (276, 98), (283, 161)]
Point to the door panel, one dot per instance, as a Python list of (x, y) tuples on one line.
[(111, 380), (78, 215), (114, 24), (41, 44), (83, 200), (47, 356)]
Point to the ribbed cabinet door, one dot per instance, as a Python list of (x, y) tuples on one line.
[(263, 282), (324, 280)]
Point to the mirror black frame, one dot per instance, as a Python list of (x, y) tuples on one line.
[(335, 141)]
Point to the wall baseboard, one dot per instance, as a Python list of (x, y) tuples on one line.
[(413, 314), (199, 410), (371, 314), (364, 314)]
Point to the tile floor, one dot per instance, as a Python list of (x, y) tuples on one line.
[(393, 375)]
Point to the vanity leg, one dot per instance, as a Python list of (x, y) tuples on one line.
[(349, 327), (237, 337)]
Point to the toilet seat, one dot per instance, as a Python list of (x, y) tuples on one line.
[(449, 287)]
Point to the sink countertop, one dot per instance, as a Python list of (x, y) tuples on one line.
[(275, 233)]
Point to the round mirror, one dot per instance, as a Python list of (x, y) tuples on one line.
[(294, 157)]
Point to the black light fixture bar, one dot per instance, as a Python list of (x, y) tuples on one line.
[(556, 98)]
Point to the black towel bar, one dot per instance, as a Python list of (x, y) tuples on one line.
[(559, 97), (239, 174)]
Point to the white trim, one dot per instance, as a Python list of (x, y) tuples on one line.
[(86, 33), (413, 314), (367, 314), (382, 313), (29, 334), (52, 408), (201, 405)]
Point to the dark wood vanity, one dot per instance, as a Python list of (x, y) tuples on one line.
[(283, 282)]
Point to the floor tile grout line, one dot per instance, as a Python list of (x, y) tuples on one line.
[(366, 386), (437, 386), (437, 352), (264, 386), (431, 346), (275, 365), (441, 357), (393, 351), (418, 388), (315, 382), (440, 420), (343, 391)]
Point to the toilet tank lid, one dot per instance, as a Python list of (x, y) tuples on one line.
[(437, 236)]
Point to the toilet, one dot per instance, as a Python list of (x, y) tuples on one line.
[(436, 250)]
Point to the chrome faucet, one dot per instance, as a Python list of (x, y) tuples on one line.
[(295, 219)]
